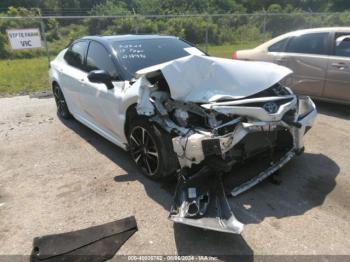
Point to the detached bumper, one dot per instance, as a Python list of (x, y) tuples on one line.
[(204, 205)]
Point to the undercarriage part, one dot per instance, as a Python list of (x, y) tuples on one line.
[(257, 156), (202, 203), (263, 175), (275, 178), (98, 243)]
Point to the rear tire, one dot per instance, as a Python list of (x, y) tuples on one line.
[(62, 108), (151, 149)]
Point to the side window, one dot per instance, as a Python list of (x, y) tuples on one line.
[(342, 44), (76, 53), (99, 59), (279, 46), (314, 43)]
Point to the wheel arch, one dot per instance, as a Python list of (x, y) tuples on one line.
[(54, 83), (130, 115), (163, 140)]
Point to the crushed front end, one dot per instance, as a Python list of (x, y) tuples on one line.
[(215, 140)]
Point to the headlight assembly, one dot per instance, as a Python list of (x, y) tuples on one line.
[(181, 117)]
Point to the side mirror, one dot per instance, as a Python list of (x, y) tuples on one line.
[(101, 76)]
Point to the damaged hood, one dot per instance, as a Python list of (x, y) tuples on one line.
[(204, 79)]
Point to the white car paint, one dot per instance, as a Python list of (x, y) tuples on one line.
[(101, 109)]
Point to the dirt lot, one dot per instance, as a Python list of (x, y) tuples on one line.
[(59, 176)]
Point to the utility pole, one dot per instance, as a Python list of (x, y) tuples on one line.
[(207, 28), (42, 27), (136, 21), (264, 25)]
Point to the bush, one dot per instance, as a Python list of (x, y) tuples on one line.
[(233, 29)]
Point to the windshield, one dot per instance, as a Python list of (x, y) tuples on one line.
[(134, 55)]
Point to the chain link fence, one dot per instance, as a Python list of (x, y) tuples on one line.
[(219, 34)]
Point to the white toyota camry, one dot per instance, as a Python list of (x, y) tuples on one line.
[(181, 112)]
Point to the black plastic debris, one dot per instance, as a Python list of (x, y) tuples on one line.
[(98, 243)]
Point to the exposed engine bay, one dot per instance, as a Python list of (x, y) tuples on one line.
[(223, 116)]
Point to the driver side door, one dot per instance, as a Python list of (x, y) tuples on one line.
[(99, 102)]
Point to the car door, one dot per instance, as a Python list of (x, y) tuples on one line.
[(307, 56), (71, 73), (338, 76), (99, 102)]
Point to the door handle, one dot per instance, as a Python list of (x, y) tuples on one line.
[(340, 66), (281, 59)]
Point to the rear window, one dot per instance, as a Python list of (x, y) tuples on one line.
[(314, 43), (279, 46), (134, 55), (342, 44)]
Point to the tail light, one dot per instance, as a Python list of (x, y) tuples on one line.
[(234, 55)]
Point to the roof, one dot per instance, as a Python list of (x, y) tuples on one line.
[(323, 29), (112, 38), (304, 31)]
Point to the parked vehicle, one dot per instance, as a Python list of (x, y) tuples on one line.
[(319, 58), (181, 112)]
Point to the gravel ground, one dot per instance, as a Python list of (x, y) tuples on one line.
[(60, 176)]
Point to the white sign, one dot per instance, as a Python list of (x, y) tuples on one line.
[(24, 38)]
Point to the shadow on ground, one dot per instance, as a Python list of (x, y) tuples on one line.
[(331, 109), (306, 181)]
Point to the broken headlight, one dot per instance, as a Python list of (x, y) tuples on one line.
[(181, 117), (188, 119)]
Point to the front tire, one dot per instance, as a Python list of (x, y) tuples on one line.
[(62, 108), (151, 149)]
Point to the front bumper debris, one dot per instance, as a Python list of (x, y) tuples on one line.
[(204, 204)]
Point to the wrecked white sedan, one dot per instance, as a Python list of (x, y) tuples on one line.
[(213, 123)]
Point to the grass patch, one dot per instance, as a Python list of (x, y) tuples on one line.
[(226, 51), (23, 75), (20, 76)]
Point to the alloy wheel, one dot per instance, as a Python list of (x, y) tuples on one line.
[(144, 151), (59, 99)]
